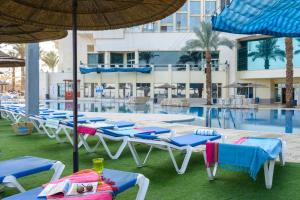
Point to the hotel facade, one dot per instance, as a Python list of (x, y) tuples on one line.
[(175, 74)]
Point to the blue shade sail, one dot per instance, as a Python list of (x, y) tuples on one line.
[(269, 17), (145, 70)]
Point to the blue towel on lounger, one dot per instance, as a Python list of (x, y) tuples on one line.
[(250, 155)]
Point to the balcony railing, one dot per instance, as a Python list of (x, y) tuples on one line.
[(157, 67)]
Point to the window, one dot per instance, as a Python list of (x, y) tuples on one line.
[(245, 90), (130, 59), (265, 54), (125, 90), (150, 27), (178, 90), (181, 22), (196, 90), (183, 8), (166, 24), (60, 90), (89, 89), (116, 59), (194, 22), (95, 59), (216, 90), (195, 7), (143, 89), (210, 7)]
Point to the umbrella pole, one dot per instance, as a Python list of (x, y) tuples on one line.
[(75, 103)]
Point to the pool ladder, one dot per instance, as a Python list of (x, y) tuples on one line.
[(222, 121)]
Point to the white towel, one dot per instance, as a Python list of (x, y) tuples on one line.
[(206, 132)]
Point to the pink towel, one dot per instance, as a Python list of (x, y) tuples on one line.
[(87, 175), (102, 196), (86, 130), (241, 140), (211, 153)]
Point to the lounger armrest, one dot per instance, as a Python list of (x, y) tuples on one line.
[(143, 184), (58, 168)]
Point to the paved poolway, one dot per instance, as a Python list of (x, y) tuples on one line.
[(293, 141)]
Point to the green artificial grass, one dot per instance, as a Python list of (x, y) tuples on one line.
[(165, 183)]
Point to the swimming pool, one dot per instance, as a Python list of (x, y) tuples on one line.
[(270, 120)]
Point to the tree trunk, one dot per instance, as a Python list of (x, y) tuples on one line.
[(289, 72), (13, 79), (208, 77)]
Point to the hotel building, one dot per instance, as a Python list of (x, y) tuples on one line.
[(174, 73)]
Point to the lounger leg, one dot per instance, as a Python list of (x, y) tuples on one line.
[(135, 155), (269, 171), (143, 184), (11, 181), (89, 149), (210, 173), (282, 154), (58, 138), (148, 155), (58, 168), (36, 126), (119, 151), (185, 162)]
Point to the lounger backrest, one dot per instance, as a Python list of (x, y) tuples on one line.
[(52, 123)]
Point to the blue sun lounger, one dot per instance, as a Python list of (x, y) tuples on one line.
[(249, 154), (11, 170), (121, 134), (186, 143), (123, 181)]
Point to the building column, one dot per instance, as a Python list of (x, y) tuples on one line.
[(187, 85), (170, 81), (107, 59), (136, 58), (32, 79)]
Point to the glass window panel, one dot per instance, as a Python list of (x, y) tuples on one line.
[(143, 89), (181, 21), (178, 91), (92, 60), (194, 22), (184, 8), (210, 7), (195, 7), (167, 20), (150, 27), (116, 59), (130, 59), (196, 90), (166, 28)]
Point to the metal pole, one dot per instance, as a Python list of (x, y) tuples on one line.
[(75, 112)]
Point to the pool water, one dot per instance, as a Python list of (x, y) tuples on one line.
[(262, 120)]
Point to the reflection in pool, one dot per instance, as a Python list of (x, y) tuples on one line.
[(270, 120)]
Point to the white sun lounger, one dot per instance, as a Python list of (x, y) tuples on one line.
[(185, 143), (11, 170)]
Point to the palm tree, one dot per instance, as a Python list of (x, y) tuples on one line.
[(207, 40), (19, 50), (13, 74), (289, 72), (190, 57), (50, 58), (147, 56), (267, 49)]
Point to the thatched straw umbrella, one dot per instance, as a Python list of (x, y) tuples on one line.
[(10, 61), (86, 15), (12, 32)]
